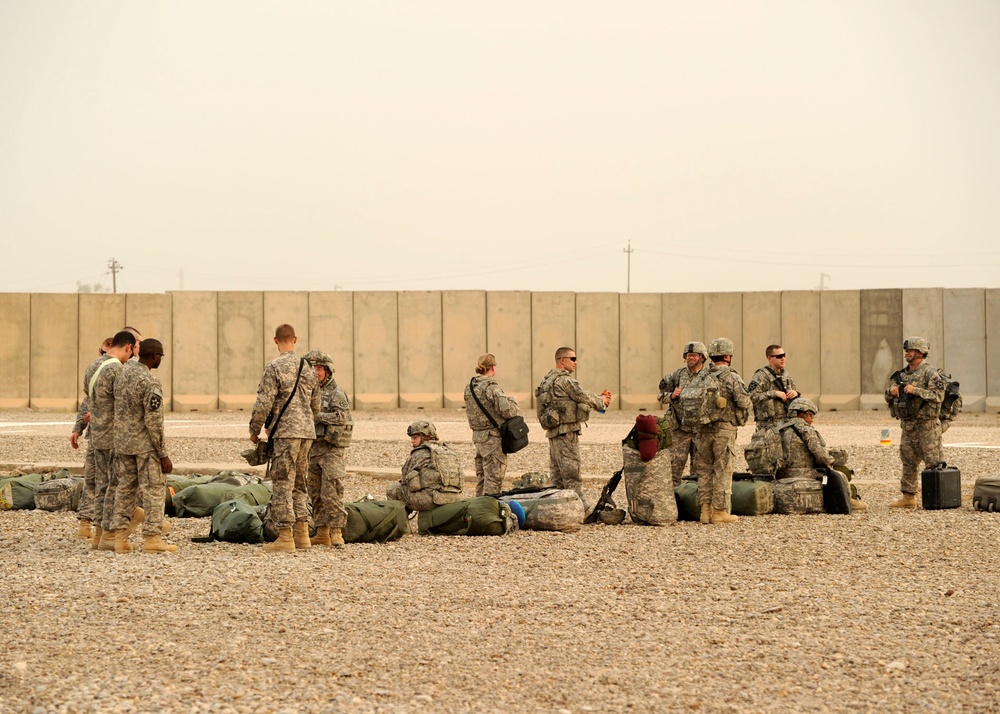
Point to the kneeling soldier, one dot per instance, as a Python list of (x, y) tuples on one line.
[(432, 475)]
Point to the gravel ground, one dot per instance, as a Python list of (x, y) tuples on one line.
[(881, 610)]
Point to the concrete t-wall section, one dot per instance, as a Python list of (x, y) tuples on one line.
[(101, 316), (965, 344), (285, 308), (553, 325), (639, 351), (881, 333), (463, 326), (993, 350), (241, 349), (683, 322), (840, 354), (800, 332), (724, 318), (196, 351), (15, 356), (420, 350), (54, 341), (331, 329), (508, 338), (923, 316), (152, 315), (376, 350), (761, 327), (597, 341)]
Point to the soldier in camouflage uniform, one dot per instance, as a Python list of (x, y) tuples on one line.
[(771, 389), (327, 465), (491, 461), (914, 397), (563, 406), (431, 476), (141, 452), (288, 379), (695, 354), (714, 445), (82, 428)]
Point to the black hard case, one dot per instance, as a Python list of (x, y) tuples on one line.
[(941, 487)]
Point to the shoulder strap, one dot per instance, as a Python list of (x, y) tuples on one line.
[(288, 401), (489, 416), (93, 379)]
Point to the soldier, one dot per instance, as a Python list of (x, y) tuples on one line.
[(327, 466), (80, 428), (771, 389), (140, 450), (100, 389), (287, 401), (914, 397), (721, 385), (562, 406), (491, 461), (431, 476), (695, 354)]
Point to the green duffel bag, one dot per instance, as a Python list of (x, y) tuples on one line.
[(750, 498), (235, 521), (176, 484), (252, 494), (200, 500), (18, 492), (473, 517), (373, 521), (687, 501)]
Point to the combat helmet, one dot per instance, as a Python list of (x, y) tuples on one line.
[(315, 357), (696, 347), (720, 347), (917, 343), (801, 404), (423, 428)]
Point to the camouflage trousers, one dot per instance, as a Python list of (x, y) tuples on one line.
[(424, 500), (327, 470), (564, 463), (681, 449), (491, 462), (921, 441), (86, 512), (289, 472), (714, 454), (141, 482), (105, 485)]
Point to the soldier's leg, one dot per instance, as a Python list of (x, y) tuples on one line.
[(564, 451), (334, 473), (928, 438), (126, 493), (702, 466), (480, 472), (111, 496), (396, 492), (554, 474), (682, 449), (86, 512), (282, 472), (152, 482), (102, 467), (494, 466), (909, 454), (300, 488), (314, 481), (722, 469)]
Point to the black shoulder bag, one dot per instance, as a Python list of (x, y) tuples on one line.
[(513, 432), (265, 449)]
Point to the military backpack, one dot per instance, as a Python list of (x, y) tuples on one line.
[(701, 401), (766, 454)]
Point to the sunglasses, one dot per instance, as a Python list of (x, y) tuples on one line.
[(781, 356), (571, 359)]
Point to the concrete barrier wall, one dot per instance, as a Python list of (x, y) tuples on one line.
[(419, 349)]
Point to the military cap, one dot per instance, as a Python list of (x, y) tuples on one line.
[(423, 428)]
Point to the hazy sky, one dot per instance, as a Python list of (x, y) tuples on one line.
[(415, 145)]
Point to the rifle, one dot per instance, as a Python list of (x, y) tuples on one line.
[(606, 502)]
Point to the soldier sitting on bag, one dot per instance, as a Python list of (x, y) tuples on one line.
[(432, 475)]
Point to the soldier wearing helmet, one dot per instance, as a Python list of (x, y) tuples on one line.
[(327, 457), (695, 354), (431, 476), (713, 460), (771, 389), (914, 397)]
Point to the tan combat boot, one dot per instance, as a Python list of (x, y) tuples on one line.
[(858, 505), (107, 541), (706, 513), (135, 521), (95, 540), (336, 537), (121, 542), (84, 532), (284, 544), (720, 516), (300, 535), (155, 544), (322, 536), (909, 500), (164, 527)]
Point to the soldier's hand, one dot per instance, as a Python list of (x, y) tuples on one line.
[(676, 394), (909, 389), (781, 395), (86, 418), (166, 464), (74, 440), (606, 398), (254, 438), (894, 391), (791, 394)]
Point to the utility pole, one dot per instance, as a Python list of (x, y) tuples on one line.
[(114, 267), (823, 277), (628, 279)]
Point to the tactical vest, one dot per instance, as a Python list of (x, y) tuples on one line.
[(443, 473), (767, 409), (554, 410), (701, 401), (731, 413), (910, 406), (338, 435)]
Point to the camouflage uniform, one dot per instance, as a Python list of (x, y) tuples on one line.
[(768, 408), (804, 450), (564, 438), (102, 441), (424, 487), (683, 438), (491, 461), (327, 467), (921, 437), (715, 442), (292, 437), (139, 446), (80, 427)]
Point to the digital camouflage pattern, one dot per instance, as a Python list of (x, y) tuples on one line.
[(138, 412), (804, 450), (431, 477), (289, 477), (921, 430), (275, 386), (769, 408), (141, 482), (564, 463), (334, 424), (563, 406), (327, 458), (738, 402), (649, 487), (682, 448), (102, 402), (490, 461), (715, 444)]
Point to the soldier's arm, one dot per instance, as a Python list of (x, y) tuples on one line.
[(153, 418), (816, 445), (266, 392), (337, 414), (506, 407), (934, 390), (740, 396), (581, 396)]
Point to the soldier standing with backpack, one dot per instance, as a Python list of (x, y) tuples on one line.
[(914, 397), (671, 386), (491, 461)]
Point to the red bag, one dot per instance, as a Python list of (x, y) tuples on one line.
[(648, 435)]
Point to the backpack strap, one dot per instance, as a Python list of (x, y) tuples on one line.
[(93, 379), (489, 416)]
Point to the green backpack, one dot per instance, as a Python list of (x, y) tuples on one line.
[(236, 522), (18, 492), (473, 516), (200, 500), (371, 521)]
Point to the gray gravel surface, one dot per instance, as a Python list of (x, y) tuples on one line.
[(878, 611)]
